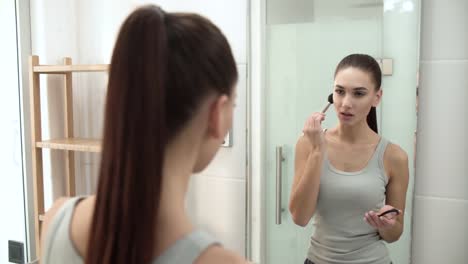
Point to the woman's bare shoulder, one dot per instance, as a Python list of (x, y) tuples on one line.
[(395, 159), (81, 223), (395, 155)]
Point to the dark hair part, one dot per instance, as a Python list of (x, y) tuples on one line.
[(163, 66), (367, 64)]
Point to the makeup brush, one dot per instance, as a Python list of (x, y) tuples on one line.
[(330, 102)]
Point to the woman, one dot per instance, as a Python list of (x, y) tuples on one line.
[(348, 175), (169, 106)]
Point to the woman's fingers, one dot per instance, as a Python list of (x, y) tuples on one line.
[(387, 222), (313, 122), (313, 130), (322, 117), (377, 222), (383, 219), (376, 219), (370, 221), (318, 118), (317, 124), (308, 125)]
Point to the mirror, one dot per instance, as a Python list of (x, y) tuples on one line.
[(305, 41), (13, 236)]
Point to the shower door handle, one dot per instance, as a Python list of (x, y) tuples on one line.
[(279, 176)]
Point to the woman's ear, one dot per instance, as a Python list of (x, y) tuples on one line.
[(378, 97), (216, 121)]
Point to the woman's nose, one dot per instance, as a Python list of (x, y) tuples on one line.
[(347, 101)]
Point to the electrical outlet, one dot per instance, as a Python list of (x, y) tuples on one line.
[(15, 252), (227, 142)]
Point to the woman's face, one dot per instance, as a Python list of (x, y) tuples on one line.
[(354, 95)]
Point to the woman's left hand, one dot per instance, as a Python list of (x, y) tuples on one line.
[(384, 222)]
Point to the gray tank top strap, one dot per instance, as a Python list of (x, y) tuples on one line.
[(380, 151), (58, 245), (187, 249)]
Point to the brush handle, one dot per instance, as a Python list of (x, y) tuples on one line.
[(326, 108)]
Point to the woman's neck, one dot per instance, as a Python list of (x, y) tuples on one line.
[(358, 133), (173, 223)]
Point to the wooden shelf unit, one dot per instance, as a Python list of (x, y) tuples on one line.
[(68, 145), (72, 144)]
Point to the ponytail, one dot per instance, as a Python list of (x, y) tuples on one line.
[(130, 178), (372, 119), (149, 101)]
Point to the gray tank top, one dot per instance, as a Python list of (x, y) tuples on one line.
[(59, 248), (341, 233)]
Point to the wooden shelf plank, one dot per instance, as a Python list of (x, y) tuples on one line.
[(71, 68), (73, 144)]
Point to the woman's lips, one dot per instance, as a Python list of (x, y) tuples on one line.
[(346, 116)]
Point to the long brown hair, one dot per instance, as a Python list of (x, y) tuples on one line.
[(163, 66), (367, 64)]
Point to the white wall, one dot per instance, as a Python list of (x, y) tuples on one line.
[(256, 125), (441, 186), (12, 221), (85, 30)]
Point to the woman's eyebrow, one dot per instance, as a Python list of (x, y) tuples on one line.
[(355, 88)]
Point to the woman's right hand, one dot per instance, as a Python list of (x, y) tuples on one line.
[(313, 131)]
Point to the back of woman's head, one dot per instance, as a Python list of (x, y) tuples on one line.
[(369, 65), (163, 66)]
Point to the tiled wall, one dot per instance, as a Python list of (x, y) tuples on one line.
[(440, 233)]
